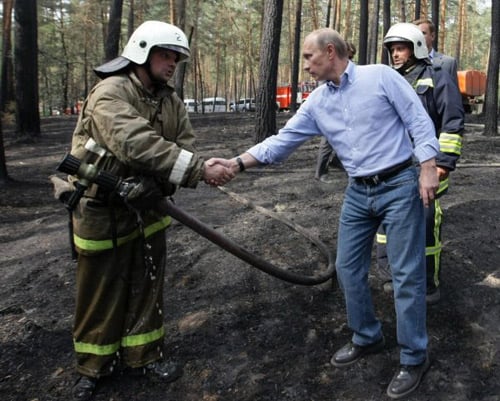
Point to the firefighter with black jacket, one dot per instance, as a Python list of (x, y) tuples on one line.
[(134, 126), (441, 98)]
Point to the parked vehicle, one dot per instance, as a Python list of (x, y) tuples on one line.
[(192, 106), (243, 105), (214, 105), (284, 94)]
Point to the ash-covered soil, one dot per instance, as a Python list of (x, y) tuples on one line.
[(241, 334)]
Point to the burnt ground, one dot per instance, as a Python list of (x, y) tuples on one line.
[(241, 334)]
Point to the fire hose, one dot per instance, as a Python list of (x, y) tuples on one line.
[(89, 174), (237, 250)]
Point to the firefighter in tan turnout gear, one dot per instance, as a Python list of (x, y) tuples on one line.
[(133, 126)]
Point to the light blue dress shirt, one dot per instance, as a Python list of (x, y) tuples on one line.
[(373, 120)]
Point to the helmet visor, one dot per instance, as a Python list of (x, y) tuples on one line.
[(184, 53)]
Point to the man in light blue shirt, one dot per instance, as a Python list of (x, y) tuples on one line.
[(375, 122)]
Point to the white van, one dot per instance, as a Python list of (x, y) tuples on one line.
[(243, 105), (214, 104), (191, 106)]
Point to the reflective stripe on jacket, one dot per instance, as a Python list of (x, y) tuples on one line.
[(442, 100), (141, 134)]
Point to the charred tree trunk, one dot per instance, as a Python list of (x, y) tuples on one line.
[(26, 69), (418, 7), (296, 56), (7, 80), (130, 19), (4, 176), (328, 13), (435, 21), (4, 85), (387, 24), (114, 28), (65, 75), (363, 33), (372, 58), (265, 124), (491, 98), (180, 21)]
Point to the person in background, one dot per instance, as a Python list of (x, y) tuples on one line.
[(442, 100), (351, 50), (447, 63), (134, 126), (326, 156), (376, 123)]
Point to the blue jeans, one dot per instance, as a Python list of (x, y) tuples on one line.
[(396, 205)]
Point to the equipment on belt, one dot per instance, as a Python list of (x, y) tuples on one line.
[(89, 174)]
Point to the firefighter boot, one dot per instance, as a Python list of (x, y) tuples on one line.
[(166, 371), (84, 388)]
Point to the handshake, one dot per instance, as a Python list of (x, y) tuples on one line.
[(218, 171)]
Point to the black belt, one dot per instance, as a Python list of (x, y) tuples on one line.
[(384, 174)]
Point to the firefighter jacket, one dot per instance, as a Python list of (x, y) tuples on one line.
[(442, 100), (127, 131)]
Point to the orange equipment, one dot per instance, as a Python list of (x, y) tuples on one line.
[(472, 85)]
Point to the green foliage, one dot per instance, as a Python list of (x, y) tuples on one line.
[(477, 41)]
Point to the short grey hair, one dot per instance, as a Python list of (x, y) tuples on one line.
[(326, 36)]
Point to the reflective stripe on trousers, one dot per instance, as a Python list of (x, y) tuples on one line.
[(105, 244), (433, 245), (119, 306)]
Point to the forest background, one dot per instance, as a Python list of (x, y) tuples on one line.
[(225, 38)]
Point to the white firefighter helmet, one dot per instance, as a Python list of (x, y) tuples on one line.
[(406, 32), (155, 33), (147, 35)]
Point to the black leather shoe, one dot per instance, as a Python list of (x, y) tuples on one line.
[(433, 296), (84, 387), (167, 371), (351, 352), (407, 379)]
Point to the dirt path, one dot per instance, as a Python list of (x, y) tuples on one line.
[(241, 334)]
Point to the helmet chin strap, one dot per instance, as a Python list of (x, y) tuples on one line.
[(145, 75), (407, 66), (152, 79), (147, 67)]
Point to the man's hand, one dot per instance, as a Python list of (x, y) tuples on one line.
[(227, 168), (429, 181), (218, 172), (443, 173)]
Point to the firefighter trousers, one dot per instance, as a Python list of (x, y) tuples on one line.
[(119, 304), (433, 247)]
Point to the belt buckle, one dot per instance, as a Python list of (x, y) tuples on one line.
[(372, 180)]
